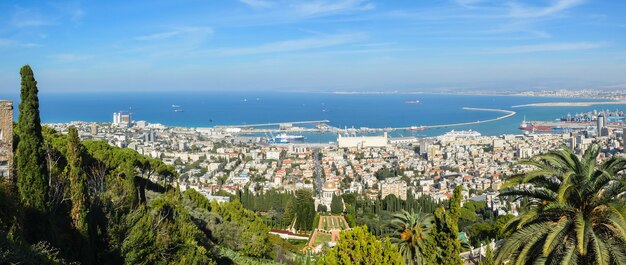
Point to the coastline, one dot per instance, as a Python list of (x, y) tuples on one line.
[(570, 104), (398, 92)]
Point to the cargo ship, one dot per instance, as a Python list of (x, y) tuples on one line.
[(412, 102), (525, 126), (285, 138)]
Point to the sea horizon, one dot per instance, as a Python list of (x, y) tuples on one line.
[(214, 108)]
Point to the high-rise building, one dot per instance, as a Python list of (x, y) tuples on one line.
[(116, 118), (122, 118), (6, 139), (94, 129), (600, 123)]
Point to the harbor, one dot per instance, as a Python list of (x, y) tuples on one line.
[(322, 126)]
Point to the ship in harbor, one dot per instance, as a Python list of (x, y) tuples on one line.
[(412, 102), (462, 134), (532, 127), (286, 138)]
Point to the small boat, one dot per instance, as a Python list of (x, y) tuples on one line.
[(178, 110), (412, 102), (175, 106)]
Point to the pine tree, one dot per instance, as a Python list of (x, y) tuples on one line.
[(78, 182), (32, 177)]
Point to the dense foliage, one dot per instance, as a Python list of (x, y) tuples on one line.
[(361, 247), (576, 212)]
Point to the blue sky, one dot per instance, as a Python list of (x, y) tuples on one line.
[(313, 45)]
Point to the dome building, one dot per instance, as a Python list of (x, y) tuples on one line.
[(328, 189)]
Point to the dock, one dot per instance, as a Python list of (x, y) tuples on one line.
[(322, 125)]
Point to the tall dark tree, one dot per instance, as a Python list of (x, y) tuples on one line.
[(32, 177), (78, 182), (290, 213), (304, 209), (336, 205)]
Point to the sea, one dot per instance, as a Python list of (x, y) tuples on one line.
[(348, 110)]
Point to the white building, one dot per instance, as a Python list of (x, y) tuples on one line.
[(328, 190), (362, 141)]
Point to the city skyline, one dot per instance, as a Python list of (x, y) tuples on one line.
[(313, 45)]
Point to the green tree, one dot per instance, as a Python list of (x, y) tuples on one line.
[(290, 213), (447, 246), (576, 213), (32, 177), (336, 205), (253, 240), (304, 209), (411, 235), (163, 233), (361, 247), (78, 182)]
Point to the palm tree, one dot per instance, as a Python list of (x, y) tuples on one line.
[(411, 232), (575, 211)]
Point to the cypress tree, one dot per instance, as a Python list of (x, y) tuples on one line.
[(445, 233), (290, 213), (304, 209), (336, 206), (78, 182), (32, 176)]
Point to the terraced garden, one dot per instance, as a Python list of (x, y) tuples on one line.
[(327, 230)]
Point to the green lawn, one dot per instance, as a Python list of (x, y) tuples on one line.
[(322, 238)]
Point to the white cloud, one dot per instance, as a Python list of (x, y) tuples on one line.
[(13, 43), (294, 45), (320, 8), (257, 3), (197, 31), (557, 6), (550, 47)]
